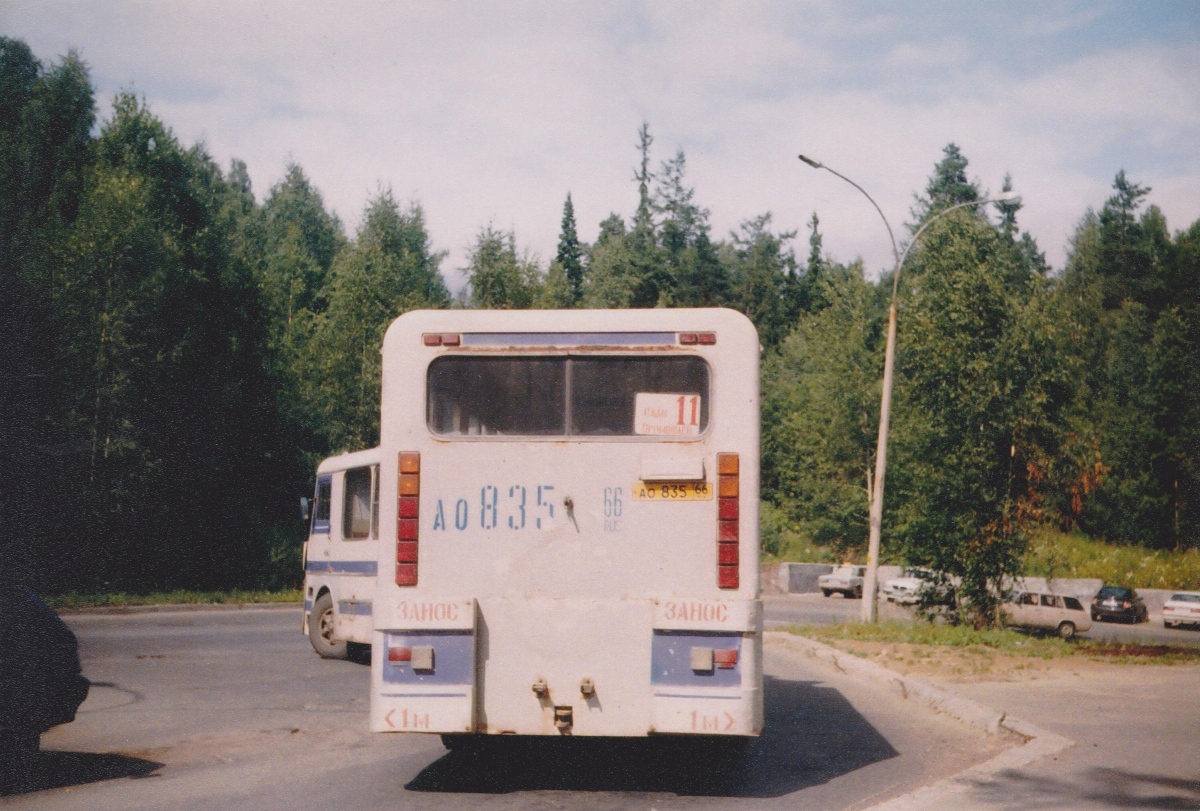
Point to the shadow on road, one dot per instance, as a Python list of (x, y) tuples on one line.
[(1098, 788), (812, 736), (37, 771)]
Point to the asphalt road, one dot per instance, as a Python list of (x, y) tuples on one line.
[(232, 709), (782, 610)]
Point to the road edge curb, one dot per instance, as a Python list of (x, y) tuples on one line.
[(1038, 742), (171, 608)]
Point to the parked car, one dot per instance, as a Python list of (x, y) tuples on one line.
[(846, 579), (907, 588), (1061, 613), (41, 683), (1183, 608), (1119, 603)]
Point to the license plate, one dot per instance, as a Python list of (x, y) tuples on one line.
[(672, 491)]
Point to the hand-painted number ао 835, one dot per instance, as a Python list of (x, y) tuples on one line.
[(517, 506)]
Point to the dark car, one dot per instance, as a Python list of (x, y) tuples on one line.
[(1119, 603), (41, 683)]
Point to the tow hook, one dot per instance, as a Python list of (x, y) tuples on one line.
[(563, 719), (540, 688), (587, 687)]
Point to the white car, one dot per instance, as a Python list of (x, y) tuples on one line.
[(1061, 613), (906, 589), (846, 579), (1182, 609)]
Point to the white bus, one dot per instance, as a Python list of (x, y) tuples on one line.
[(341, 555), (570, 513)]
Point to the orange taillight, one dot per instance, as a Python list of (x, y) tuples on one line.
[(728, 521), (408, 508)]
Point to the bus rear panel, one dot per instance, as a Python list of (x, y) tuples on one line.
[(569, 514)]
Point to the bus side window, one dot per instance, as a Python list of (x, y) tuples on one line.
[(321, 510), (357, 511)]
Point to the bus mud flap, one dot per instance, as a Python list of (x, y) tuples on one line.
[(423, 673)]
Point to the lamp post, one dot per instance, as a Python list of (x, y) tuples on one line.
[(869, 612)]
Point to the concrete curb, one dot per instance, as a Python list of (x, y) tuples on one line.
[(950, 793), (177, 607)]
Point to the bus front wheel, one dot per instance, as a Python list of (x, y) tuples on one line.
[(320, 630)]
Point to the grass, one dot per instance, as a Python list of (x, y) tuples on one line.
[(177, 597), (1058, 554), (782, 542), (999, 640), (1051, 554)]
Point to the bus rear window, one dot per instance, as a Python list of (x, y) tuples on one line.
[(564, 396)]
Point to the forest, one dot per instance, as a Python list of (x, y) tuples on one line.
[(180, 351)]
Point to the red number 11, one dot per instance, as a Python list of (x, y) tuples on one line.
[(695, 409)]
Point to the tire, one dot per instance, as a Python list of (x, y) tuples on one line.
[(826, 592), (320, 630), (1066, 630), (857, 593)]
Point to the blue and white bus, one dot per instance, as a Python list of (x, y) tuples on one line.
[(569, 525), (341, 555)]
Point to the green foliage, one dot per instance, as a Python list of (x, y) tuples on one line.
[(178, 356), (46, 116), (160, 390), (948, 185), (976, 405), (763, 270), (1132, 293), (389, 270), (780, 540), (569, 260), (499, 278), (820, 415), (1059, 554), (612, 275)]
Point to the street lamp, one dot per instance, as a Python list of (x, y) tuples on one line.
[(869, 612)]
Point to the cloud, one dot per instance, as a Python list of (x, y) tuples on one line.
[(490, 114)]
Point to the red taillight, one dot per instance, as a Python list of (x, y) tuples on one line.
[(399, 654), (408, 509), (1126, 604), (728, 524), (725, 659)]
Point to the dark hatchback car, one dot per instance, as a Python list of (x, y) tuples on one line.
[(1119, 603), (41, 683)]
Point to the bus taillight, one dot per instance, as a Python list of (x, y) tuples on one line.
[(728, 524), (408, 509)]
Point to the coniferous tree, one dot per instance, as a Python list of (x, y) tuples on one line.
[(690, 262), (652, 285), (1137, 469), (612, 273), (763, 265), (499, 278), (570, 255)]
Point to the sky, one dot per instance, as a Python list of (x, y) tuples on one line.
[(489, 114)]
